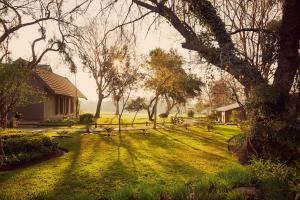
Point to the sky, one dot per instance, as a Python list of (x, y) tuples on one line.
[(164, 37)]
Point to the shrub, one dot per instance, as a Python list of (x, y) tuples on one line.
[(177, 120), (163, 115), (108, 130), (190, 113), (213, 117), (274, 178), (25, 148), (86, 118), (29, 144), (67, 121)]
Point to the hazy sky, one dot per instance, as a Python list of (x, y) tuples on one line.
[(166, 38)]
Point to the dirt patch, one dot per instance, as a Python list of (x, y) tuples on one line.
[(57, 153), (232, 148), (243, 153)]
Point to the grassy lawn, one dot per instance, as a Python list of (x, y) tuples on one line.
[(108, 118), (97, 165)]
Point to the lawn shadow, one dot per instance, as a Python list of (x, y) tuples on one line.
[(64, 186), (199, 137)]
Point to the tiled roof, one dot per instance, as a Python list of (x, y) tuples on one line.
[(58, 84), (228, 107)]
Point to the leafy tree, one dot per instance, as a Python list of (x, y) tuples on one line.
[(274, 103), (169, 81), (221, 94), (136, 105), (15, 89)]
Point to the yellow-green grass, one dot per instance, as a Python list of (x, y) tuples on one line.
[(97, 165), (126, 120)]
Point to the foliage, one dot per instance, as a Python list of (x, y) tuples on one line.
[(108, 130), (219, 186), (236, 116), (163, 115), (240, 52), (15, 89), (86, 118), (199, 106), (136, 105), (220, 93), (190, 113), (212, 117), (68, 121), (176, 120), (22, 148), (275, 178), (168, 79)]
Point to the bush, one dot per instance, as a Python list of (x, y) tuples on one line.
[(108, 130), (67, 121), (163, 115), (25, 148), (86, 118), (177, 120), (190, 113), (274, 178), (29, 144)]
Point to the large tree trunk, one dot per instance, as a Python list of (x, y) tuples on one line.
[(274, 130), (98, 109), (272, 113), (155, 114), (119, 122), (2, 154), (151, 108), (134, 118), (3, 123), (3, 120)]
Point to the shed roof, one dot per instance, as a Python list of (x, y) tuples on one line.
[(58, 84), (228, 107)]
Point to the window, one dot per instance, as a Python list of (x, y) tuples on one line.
[(72, 105)]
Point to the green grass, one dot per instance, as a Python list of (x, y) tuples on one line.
[(99, 166)]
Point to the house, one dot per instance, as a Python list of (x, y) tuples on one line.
[(62, 97), (226, 114)]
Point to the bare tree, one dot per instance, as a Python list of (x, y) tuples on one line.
[(124, 82), (99, 56), (40, 15)]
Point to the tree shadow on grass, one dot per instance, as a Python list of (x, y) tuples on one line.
[(199, 137), (67, 182), (155, 140)]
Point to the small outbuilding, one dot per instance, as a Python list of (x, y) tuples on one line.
[(228, 113)]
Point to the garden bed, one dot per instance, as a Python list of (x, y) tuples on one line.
[(23, 150), (33, 161)]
